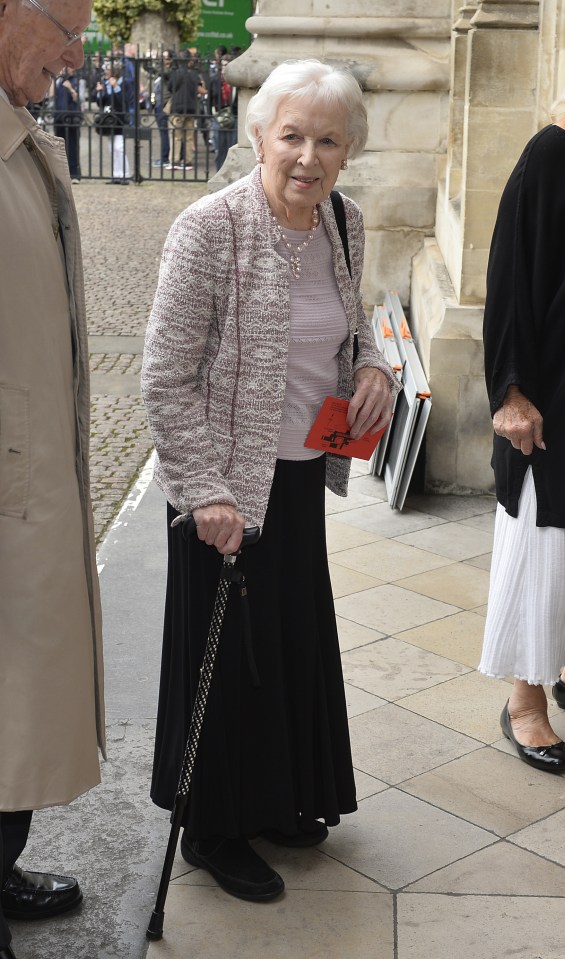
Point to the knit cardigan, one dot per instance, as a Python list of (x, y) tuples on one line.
[(216, 349)]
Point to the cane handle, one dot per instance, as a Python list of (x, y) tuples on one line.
[(251, 534)]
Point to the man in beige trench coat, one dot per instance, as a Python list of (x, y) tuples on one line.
[(51, 694)]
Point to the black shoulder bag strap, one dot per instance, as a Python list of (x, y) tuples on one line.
[(339, 213)]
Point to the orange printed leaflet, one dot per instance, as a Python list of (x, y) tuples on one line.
[(330, 432)]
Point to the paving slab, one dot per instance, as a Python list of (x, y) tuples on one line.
[(471, 704), (352, 635), (358, 701), (396, 839), (479, 927), (395, 745), (380, 518), (393, 669), (458, 637), (339, 504), (492, 790), (391, 609), (209, 924), (389, 560), (501, 869), (544, 837), (453, 508), (454, 540), (341, 537), (346, 581), (459, 584)]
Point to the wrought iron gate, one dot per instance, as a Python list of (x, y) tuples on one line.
[(135, 138)]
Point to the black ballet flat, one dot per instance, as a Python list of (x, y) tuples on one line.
[(549, 758), (558, 693)]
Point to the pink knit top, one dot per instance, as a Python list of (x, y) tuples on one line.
[(318, 327)]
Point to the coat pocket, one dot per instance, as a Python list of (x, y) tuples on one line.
[(14, 451)]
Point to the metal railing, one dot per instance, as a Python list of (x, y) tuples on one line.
[(127, 134)]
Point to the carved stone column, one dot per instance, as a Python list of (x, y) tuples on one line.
[(400, 54), (493, 112)]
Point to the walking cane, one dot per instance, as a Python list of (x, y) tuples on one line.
[(228, 575)]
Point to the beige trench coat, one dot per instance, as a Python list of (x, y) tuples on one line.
[(51, 686)]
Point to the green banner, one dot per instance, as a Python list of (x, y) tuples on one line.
[(223, 22)]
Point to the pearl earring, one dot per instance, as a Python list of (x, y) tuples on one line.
[(260, 157), (344, 164)]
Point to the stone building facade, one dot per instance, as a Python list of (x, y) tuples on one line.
[(453, 92)]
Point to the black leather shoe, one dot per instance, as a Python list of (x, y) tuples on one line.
[(235, 866), (558, 693), (38, 895), (549, 758), (310, 833), (7, 953)]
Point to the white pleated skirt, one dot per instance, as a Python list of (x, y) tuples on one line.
[(525, 625)]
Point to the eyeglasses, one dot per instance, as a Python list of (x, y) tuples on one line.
[(71, 37)]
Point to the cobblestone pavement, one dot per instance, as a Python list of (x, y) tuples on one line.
[(123, 231)]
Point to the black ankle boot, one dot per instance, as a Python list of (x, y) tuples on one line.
[(235, 866)]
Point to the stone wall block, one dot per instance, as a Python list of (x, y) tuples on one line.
[(474, 435), (448, 234), (504, 14), (392, 64), (402, 190), (513, 87), (435, 312), (495, 140), (473, 279), (373, 8), (463, 357), (449, 340), (362, 8), (459, 435), (388, 264), (480, 214), (411, 122), (441, 434)]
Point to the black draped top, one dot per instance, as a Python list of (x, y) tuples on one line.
[(524, 323)]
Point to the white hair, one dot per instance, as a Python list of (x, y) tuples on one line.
[(314, 81), (557, 109)]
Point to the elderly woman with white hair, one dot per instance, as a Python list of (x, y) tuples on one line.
[(252, 327), (524, 336)]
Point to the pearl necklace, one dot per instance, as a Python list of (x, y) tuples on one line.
[(295, 263)]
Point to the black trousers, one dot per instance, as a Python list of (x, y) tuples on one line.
[(14, 830), (71, 136)]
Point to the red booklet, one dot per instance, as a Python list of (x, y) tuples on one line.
[(330, 432)]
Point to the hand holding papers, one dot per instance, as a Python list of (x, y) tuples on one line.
[(330, 432)]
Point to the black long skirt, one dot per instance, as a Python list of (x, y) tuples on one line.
[(272, 752)]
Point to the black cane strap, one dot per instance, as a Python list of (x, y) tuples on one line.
[(237, 576)]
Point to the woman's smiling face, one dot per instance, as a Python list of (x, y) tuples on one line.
[(302, 155)]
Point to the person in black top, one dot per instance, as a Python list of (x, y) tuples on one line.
[(110, 93), (524, 340), (221, 94), (68, 117), (185, 84)]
